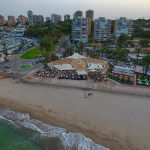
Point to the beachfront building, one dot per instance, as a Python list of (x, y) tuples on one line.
[(79, 30), (79, 66), (124, 73), (123, 26), (102, 29)]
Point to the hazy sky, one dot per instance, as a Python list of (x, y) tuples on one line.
[(107, 8)]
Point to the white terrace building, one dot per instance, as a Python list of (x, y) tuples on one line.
[(80, 64)]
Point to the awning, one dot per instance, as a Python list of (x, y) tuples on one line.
[(76, 56), (63, 67), (81, 72), (93, 66)]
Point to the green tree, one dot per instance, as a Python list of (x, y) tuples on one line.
[(46, 47), (146, 62), (138, 51), (5, 51), (120, 54), (144, 43), (64, 45), (87, 50), (22, 44), (104, 50), (69, 51), (122, 40), (131, 43), (80, 47)]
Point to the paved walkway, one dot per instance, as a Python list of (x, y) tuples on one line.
[(90, 84)]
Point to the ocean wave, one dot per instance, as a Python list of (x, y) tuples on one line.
[(69, 141)]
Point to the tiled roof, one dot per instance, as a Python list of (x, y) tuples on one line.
[(79, 62), (76, 56)]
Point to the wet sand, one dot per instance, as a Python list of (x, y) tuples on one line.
[(116, 121)]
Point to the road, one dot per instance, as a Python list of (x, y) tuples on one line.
[(14, 63)]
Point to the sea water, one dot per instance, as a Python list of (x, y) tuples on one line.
[(10, 139), (19, 132)]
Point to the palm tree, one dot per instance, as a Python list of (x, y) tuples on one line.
[(22, 43), (123, 40), (46, 47), (81, 47), (5, 52), (112, 40), (64, 45), (138, 51), (120, 54), (146, 62), (69, 51), (103, 50), (87, 52)]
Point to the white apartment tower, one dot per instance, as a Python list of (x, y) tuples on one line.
[(89, 17), (30, 17), (80, 30), (102, 29), (55, 18), (123, 26)]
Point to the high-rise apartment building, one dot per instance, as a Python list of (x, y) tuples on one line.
[(55, 18), (2, 20), (102, 29), (30, 18), (66, 17), (90, 14), (11, 21), (48, 19), (89, 17), (22, 19), (80, 30), (38, 19), (78, 14), (123, 26)]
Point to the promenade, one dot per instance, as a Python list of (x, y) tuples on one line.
[(89, 84)]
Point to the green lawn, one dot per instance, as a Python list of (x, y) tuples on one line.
[(32, 53), (53, 46), (25, 67)]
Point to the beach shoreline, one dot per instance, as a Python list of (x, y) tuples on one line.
[(78, 114), (45, 118)]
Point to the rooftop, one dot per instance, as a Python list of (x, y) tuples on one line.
[(80, 63)]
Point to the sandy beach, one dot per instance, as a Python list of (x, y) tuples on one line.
[(116, 121)]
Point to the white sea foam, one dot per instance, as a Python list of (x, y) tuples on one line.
[(69, 140)]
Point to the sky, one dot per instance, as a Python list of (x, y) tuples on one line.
[(111, 9)]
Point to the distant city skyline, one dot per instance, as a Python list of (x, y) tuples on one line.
[(102, 8)]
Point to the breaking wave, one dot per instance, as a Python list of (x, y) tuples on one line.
[(45, 135)]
